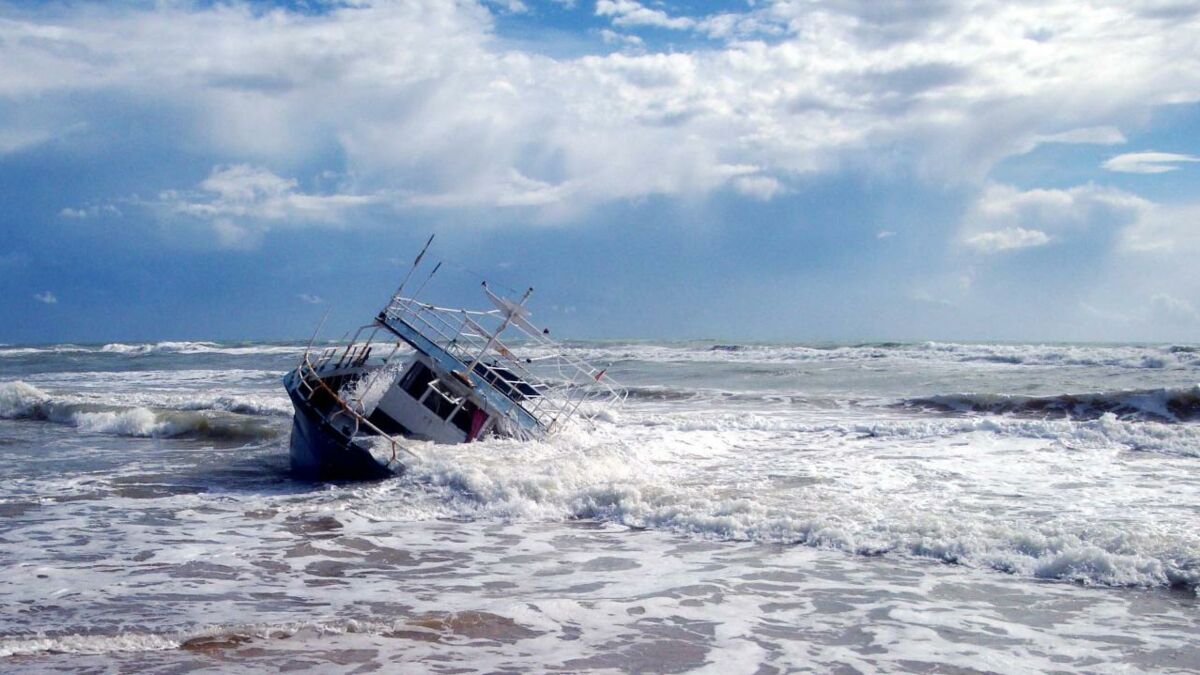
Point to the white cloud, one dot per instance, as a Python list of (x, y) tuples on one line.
[(310, 298), (626, 39), (510, 6), (762, 188), (46, 297), (1005, 218), (422, 104), (1168, 308), (15, 140), (1007, 239), (1147, 162), (1086, 135), (1164, 229), (884, 234), (90, 212), (242, 201), (631, 13), (1130, 260)]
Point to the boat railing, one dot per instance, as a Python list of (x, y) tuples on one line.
[(563, 382), (310, 380)]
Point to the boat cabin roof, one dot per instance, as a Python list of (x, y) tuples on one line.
[(501, 400)]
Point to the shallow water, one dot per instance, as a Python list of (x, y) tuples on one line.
[(752, 508)]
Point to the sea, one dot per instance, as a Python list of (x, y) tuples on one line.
[(751, 508)]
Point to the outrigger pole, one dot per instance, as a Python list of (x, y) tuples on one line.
[(423, 283), (416, 262), (316, 332)]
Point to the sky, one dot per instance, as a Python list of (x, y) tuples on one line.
[(781, 170)]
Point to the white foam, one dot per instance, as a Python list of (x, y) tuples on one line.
[(151, 642), (1137, 357), (183, 347), (18, 399), (135, 422), (712, 475), (147, 348), (1175, 404), (193, 416), (365, 393), (144, 348), (87, 644), (10, 351)]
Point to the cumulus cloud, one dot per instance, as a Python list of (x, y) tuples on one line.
[(762, 188), (1164, 229), (93, 211), (46, 298), (624, 39), (242, 201), (1005, 218), (510, 6), (1148, 162), (631, 13), (1007, 239), (309, 298), (1168, 308), (424, 106), (1137, 255)]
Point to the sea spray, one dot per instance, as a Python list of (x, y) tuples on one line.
[(364, 393)]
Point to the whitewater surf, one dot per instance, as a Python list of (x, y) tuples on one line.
[(871, 506)]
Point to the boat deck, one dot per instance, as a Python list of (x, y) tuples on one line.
[(447, 362)]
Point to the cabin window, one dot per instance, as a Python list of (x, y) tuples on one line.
[(440, 402), (462, 418), (470, 419), (417, 379)]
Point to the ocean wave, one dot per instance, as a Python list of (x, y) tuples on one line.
[(1158, 405), (151, 348), (470, 624), (11, 351), (242, 404), (667, 394), (19, 400), (195, 348), (660, 393), (1107, 431), (621, 485), (207, 639), (1135, 357)]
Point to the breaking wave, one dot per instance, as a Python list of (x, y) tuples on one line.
[(660, 393), (203, 640), (174, 347), (1135, 357), (213, 639), (19, 400), (197, 348), (618, 484), (148, 348), (10, 351), (1157, 405)]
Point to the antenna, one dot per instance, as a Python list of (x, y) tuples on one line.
[(321, 325), (423, 283), (415, 262)]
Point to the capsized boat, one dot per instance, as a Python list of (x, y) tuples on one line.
[(447, 375)]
